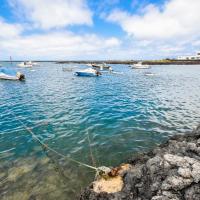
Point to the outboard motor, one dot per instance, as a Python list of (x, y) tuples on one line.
[(20, 76), (98, 73)]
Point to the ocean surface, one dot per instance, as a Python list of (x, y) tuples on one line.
[(96, 120)]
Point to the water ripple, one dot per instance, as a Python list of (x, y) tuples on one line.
[(122, 113)]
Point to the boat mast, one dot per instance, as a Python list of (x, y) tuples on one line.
[(11, 60)]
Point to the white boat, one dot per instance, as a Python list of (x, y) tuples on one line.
[(87, 72), (17, 77), (33, 63), (139, 65), (89, 65), (25, 65), (102, 67)]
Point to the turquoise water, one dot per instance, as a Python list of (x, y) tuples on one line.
[(123, 113)]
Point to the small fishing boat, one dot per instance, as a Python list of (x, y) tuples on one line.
[(87, 72), (102, 67), (9, 75), (33, 63), (25, 64), (139, 65)]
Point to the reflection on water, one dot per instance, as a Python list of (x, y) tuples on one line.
[(123, 113)]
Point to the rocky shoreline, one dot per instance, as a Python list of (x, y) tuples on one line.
[(169, 172), (130, 62)]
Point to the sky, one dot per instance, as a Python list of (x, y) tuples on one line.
[(98, 29)]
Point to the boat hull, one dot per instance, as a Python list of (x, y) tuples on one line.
[(101, 67), (7, 77), (25, 66), (141, 67), (85, 74)]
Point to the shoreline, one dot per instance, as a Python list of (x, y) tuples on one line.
[(170, 171), (122, 62), (131, 62)]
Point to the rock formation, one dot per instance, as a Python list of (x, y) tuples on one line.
[(169, 172)]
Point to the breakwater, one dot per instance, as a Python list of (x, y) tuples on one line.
[(170, 171)]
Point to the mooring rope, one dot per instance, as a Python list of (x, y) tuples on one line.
[(45, 146), (90, 148)]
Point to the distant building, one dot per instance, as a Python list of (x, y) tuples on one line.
[(194, 57)]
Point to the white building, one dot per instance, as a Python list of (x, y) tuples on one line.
[(194, 57)]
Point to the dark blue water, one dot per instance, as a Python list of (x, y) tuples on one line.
[(123, 113)]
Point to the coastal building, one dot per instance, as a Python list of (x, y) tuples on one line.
[(194, 57)]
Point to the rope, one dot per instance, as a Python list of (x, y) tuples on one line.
[(45, 146), (91, 153)]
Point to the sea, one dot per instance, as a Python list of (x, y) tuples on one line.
[(99, 121)]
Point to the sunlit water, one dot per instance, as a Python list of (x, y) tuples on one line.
[(122, 113)]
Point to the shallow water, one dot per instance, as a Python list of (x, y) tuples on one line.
[(123, 113)]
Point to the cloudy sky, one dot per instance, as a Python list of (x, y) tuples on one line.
[(98, 29)]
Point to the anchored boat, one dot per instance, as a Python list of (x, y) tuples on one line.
[(9, 75), (139, 65), (102, 67), (33, 63), (25, 65), (87, 72)]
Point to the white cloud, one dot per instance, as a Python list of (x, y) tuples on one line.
[(23, 42), (9, 30), (47, 14), (112, 42), (58, 45), (176, 19), (157, 33)]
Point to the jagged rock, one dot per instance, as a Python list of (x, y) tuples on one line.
[(185, 172), (198, 151), (166, 196), (190, 160), (196, 172), (169, 172), (176, 183), (198, 142), (154, 164), (191, 146), (176, 160), (193, 192)]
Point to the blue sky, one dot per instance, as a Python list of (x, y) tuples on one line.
[(101, 29)]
